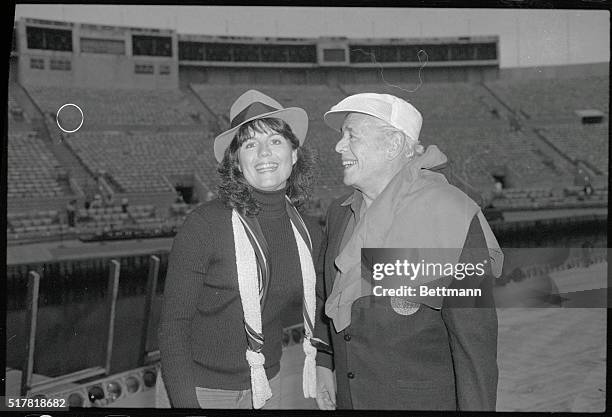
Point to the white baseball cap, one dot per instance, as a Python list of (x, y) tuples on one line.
[(393, 110)]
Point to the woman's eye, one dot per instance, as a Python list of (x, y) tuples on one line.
[(276, 141), (249, 145)]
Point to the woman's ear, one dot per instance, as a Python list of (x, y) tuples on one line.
[(294, 156)]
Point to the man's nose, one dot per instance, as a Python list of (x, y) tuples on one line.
[(341, 145)]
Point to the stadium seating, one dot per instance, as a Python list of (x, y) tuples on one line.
[(581, 142), (553, 98), (16, 113), (119, 106), (32, 168), (463, 119), (112, 218), (549, 197), (137, 161), (49, 223), (455, 102), (31, 224), (476, 150)]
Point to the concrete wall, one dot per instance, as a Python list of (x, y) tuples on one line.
[(96, 70)]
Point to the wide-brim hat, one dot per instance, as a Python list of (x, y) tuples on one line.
[(253, 105)]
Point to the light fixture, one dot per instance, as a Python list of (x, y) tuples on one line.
[(132, 384), (106, 390), (75, 400), (95, 393), (114, 390)]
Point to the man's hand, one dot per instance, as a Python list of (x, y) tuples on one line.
[(326, 389)]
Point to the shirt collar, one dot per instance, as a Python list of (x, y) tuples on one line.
[(355, 201)]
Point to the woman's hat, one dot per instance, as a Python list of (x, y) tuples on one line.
[(254, 105)]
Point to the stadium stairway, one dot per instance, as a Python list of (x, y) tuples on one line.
[(590, 169), (551, 156), (202, 108), (40, 125), (556, 160), (498, 99), (30, 109), (51, 135), (76, 170)]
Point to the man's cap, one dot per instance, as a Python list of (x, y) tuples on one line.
[(392, 110), (253, 105)]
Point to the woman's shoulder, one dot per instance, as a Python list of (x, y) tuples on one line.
[(211, 212), (204, 230)]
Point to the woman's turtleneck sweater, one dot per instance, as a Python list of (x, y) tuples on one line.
[(285, 287), (201, 335)]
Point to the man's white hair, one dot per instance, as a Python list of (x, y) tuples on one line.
[(413, 146)]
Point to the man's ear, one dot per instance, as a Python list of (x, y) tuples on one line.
[(395, 145)]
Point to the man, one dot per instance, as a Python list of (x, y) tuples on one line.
[(71, 213), (401, 352)]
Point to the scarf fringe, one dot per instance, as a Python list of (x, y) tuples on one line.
[(309, 373), (260, 387)]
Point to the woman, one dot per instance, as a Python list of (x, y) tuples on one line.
[(238, 261)]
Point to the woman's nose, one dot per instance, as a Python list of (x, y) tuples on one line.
[(264, 150)]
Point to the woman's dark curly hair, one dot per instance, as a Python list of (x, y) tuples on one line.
[(236, 192)]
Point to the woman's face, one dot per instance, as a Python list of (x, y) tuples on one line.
[(266, 160)]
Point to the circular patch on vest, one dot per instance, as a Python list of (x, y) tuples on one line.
[(404, 307)]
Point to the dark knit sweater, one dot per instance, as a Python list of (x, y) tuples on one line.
[(201, 336)]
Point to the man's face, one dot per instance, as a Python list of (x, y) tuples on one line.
[(363, 150)]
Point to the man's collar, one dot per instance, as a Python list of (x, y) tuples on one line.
[(354, 200), (349, 199)]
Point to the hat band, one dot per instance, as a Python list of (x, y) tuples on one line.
[(251, 111)]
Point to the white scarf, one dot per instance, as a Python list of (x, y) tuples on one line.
[(248, 283)]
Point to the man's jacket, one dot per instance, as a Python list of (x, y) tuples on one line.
[(432, 359)]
